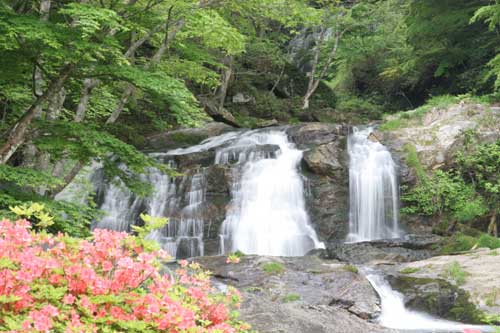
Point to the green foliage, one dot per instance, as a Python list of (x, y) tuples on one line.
[(488, 241), (36, 213), (151, 224), (455, 272), (414, 162), (273, 268), (70, 218), (27, 177), (460, 242), (481, 165), (291, 298), (442, 193)]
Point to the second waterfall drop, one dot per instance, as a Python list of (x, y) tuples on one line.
[(268, 214), (373, 189)]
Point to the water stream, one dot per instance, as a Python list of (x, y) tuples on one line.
[(395, 315)]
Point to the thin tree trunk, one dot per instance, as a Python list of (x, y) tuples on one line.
[(17, 133), (81, 109), (492, 227), (226, 78), (314, 82)]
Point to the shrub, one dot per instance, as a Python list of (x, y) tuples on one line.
[(456, 273), (459, 243), (106, 284), (444, 192), (488, 241)]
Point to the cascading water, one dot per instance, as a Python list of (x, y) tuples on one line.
[(373, 189), (395, 315), (268, 214)]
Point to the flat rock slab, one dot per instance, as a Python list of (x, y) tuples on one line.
[(300, 294)]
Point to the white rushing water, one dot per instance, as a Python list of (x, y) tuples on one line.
[(395, 315), (268, 214), (373, 189)]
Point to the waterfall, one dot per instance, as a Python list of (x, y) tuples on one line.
[(268, 214), (395, 315), (373, 189)]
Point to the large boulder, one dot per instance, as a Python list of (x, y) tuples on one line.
[(316, 133), (327, 160)]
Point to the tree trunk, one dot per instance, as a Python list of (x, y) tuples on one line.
[(313, 81), (226, 78), (17, 133), (81, 109), (492, 227), (130, 90)]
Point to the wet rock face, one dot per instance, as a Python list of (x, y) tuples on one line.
[(325, 167), (182, 138), (300, 294), (410, 248)]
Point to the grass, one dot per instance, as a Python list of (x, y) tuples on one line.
[(273, 268), (351, 268), (491, 298), (291, 298), (413, 161), (462, 243), (409, 270), (488, 241), (455, 272)]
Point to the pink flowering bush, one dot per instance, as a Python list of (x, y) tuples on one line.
[(107, 284)]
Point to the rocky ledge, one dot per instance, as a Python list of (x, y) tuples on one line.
[(300, 294), (475, 274)]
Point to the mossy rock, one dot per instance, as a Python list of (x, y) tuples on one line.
[(437, 297)]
